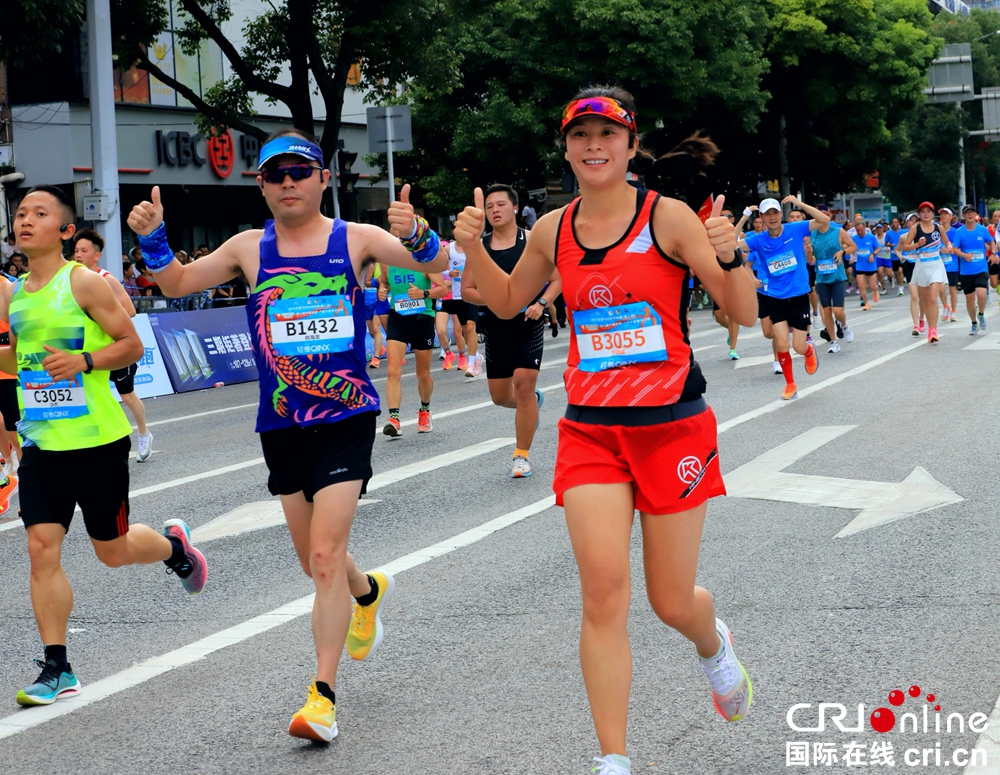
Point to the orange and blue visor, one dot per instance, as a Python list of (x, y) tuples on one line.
[(604, 107)]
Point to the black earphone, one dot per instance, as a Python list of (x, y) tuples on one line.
[(63, 229)]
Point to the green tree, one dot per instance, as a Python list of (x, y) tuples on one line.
[(317, 40), (842, 75)]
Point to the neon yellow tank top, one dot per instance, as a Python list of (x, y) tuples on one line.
[(76, 414)]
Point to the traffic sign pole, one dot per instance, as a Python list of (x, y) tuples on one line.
[(388, 148)]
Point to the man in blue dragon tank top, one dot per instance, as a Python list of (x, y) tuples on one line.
[(317, 411)]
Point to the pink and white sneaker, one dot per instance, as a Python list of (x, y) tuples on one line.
[(732, 691)]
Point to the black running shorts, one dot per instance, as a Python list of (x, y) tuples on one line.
[(994, 269), (8, 405), (972, 281), (456, 307), (513, 344), (53, 483), (124, 379), (763, 305), (812, 275), (415, 330), (908, 271), (307, 459), (953, 279), (794, 311)]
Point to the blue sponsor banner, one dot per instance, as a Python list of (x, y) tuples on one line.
[(203, 348)]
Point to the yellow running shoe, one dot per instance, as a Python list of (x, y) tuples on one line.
[(317, 720), (365, 635)]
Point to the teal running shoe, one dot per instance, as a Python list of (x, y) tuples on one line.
[(540, 396), (53, 684)]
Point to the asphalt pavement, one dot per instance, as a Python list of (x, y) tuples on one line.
[(479, 672)]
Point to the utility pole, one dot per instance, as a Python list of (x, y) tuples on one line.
[(103, 133)]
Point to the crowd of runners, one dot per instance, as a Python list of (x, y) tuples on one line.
[(625, 261)]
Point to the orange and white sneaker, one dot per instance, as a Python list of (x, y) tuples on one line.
[(463, 361), (932, 338), (812, 360), (374, 363), (449, 360), (424, 421), (7, 489), (393, 429), (732, 691), (521, 468), (876, 296), (790, 392), (317, 720)]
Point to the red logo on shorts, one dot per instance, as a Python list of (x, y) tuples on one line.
[(689, 469)]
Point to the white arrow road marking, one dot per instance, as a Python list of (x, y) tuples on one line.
[(263, 514), (987, 342), (185, 655), (879, 502)]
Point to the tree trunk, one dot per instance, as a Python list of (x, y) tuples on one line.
[(783, 181), (301, 42)]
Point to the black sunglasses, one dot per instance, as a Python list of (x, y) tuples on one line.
[(295, 171)]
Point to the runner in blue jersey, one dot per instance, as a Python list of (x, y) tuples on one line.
[(317, 405), (757, 224), (972, 243), (831, 246), (949, 309), (865, 267), (892, 235), (883, 259), (783, 269)]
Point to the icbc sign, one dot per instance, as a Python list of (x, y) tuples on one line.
[(221, 153), (178, 149)]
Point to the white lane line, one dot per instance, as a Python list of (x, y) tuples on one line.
[(198, 414), (899, 324), (473, 407), (265, 514), (803, 392), (989, 342), (186, 655)]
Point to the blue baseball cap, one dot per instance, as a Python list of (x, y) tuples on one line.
[(292, 144)]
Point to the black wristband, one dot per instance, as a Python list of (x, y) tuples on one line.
[(427, 294), (90, 363), (736, 263)]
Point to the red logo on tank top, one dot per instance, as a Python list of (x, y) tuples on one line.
[(600, 296)]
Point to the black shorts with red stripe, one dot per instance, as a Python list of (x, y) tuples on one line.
[(52, 484)]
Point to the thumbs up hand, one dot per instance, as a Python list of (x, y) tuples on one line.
[(401, 217), (147, 216), (721, 232), (470, 222), (414, 292)]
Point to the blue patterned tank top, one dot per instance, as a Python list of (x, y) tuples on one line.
[(307, 326)]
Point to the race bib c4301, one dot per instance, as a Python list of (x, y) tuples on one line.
[(609, 337), (311, 326), (45, 399)]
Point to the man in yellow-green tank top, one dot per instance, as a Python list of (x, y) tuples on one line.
[(67, 330)]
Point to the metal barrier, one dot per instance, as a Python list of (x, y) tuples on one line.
[(208, 299)]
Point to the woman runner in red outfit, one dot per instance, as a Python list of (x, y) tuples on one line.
[(637, 432)]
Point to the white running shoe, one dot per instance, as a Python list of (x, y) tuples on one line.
[(776, 367), (834, 347), (848, 334), (520, 468), (732, 691), (982, 322), (145, 448), (441, 355), (612, 765)]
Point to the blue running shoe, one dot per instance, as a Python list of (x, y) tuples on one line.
[(541, 400), (53, 684), (194, 573)]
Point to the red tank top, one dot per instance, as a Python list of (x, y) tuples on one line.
[(628, 304)]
